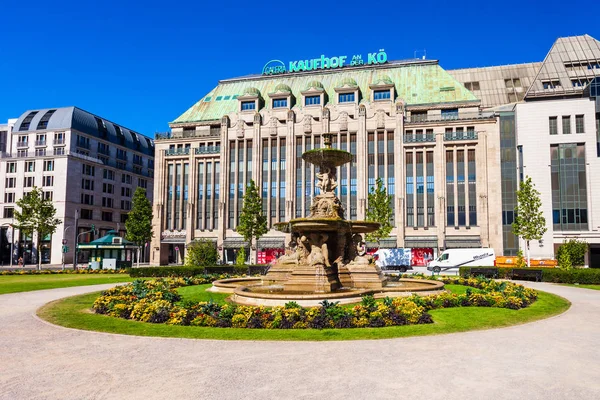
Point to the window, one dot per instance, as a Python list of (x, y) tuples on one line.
[(472, 85), (103, 148), (137, 169), (382, 94), (125, 205), (346, 98), (248, 105), (579, 124), (48, 195), (101, 127), (124, 217), (150, 164), (8, 212), (138, 160), (59, 138), (108, 174), (22, 141), (29, 181), (21, 153), (108, 188), (107, 216), (27, 121), (29, 166), (83, 142), (88, 170), (87, 184), (107, 202), (450, 113), (86, 214), (125, 178), (553, 121), (142, 183), (47, 181), (43, 124), (121, 165), (59, 151), (40, 152), (566, 124), (48, 165), (312, 100), (280, 103), (508, 83), (553, 84), (87, 199), (9, 197), (121, 154), (11, 182), (125, 192), (11, 167), (40, 139)]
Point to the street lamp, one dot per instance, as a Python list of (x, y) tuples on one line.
[(12, 243), (64, 242), (93, 230)]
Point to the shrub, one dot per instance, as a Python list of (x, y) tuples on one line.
[(575, 249), (201, 253), (588, 276), (564, 260)]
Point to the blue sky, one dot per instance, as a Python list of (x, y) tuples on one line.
[(142, 64)]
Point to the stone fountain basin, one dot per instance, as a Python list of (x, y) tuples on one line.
[(329, 157), (332, 225), (258, 292)]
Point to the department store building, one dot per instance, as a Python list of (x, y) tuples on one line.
[(450, 147)]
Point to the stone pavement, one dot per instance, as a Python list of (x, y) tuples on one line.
[(557, 358)]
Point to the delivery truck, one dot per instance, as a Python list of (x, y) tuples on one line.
[(455, 258)]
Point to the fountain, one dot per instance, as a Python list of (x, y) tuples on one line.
[(326, 256)]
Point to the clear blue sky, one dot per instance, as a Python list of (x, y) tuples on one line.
[(142, 64)]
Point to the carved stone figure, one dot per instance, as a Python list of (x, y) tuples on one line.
[(319, 253), (380, 119), (360, 250), (307, 124), (327, 180), (344, 121)]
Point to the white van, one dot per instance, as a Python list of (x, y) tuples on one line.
[(454, 258)]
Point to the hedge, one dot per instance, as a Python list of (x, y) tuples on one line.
[(164, 272), (590, 276)]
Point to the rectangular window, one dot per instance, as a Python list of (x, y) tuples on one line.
[(49, 165), (108, 174), (579, 124), (382, 94), (248, 105), (40, 152), (450, 188), (59, 151), (88, 170), (125, 192), (29, 181), (279, 103), (11, 182), (87, 199), (22, 141), (121, 154), (86, 214), (125, 178), (450, 113), (48, 181), (312, 100), (48, 195), (107, 202), (29, 166), (108, 188), (8, 212), (83, 142), (566, 124), (11, 167), (125, 205), (346, 98), (553, 125), (9, 197), (107, 216), (40, 139), (87, 184)]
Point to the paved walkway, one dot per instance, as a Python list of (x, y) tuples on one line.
[(557, 358)]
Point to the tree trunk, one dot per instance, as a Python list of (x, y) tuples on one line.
[(528, 260), (138, 256)]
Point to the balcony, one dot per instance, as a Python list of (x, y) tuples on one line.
[(58, 142), (426, 138), (40, 143), (207, 150), (22, 145), (468, 135), (177, 152), (83, 145), (422, 119)]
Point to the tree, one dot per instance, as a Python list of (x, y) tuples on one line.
[(253, 224), (139, 220), (379, 210), (201, 253), (529, 223), (36, 217), (575, 250)]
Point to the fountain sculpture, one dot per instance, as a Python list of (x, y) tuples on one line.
[(326, 256)]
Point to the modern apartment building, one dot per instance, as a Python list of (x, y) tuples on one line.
[(87, 165)]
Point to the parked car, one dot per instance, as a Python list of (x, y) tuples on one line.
[(455, 258)]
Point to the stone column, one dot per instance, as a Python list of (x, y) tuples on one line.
[(361, 164)]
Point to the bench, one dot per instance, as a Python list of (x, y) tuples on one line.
[(485, 272), (526, 274)]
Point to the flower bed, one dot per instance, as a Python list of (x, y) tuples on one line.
[(63, 272), (157, 301)]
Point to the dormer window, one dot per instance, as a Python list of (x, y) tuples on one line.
[(314, 94), (280, 103), (248, 105), (381, 94), (312, 100), (346, 98)]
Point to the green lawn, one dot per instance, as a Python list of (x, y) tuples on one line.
[(27, 283), (73, 312), (594, 287)]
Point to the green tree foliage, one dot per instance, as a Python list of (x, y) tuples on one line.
[(564, 260), (530, 223), (240, 258), (36, 216), (379, 210), (201, 253), (253, 224), (139, 220), (575, 249), (521, 263)]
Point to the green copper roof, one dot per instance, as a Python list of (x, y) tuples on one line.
[(108, 239), (415, 83)]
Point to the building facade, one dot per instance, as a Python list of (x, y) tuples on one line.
[(410, 123), (88, 166)]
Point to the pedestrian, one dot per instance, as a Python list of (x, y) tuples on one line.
[(20, 261)]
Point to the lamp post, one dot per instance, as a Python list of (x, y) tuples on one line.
[(64, 243), (92, 231)]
